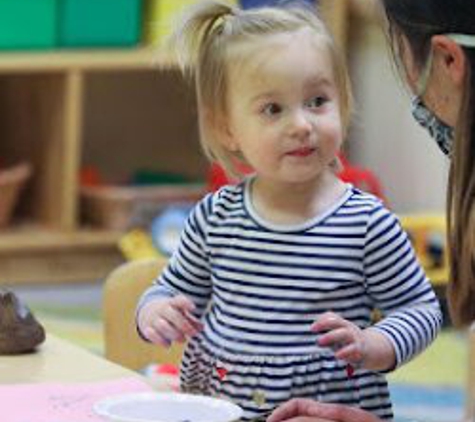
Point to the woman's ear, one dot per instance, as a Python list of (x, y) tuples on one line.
[(444, 93), (450, 58)]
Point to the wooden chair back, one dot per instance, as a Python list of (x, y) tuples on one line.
[(122, 290)]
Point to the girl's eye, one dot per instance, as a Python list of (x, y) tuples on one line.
[(316, 102), (272, 109)]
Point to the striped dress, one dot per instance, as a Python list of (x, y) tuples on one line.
[(258, 287)]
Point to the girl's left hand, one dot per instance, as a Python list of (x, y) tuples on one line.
[(345, 338)]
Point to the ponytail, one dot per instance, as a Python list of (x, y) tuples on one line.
[(198, 30)]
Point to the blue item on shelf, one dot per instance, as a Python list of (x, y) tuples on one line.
[(247, 4), (166, 228)]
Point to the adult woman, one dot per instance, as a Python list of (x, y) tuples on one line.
[(433, 43)]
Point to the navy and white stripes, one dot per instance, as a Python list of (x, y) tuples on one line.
[(258, 288)]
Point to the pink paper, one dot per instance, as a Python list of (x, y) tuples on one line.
[(60, 402)]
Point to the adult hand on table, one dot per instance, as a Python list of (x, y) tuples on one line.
[(307, 410)]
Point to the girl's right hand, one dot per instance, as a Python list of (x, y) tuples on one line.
[(164, 321)]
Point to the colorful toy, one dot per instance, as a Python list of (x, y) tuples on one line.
[(361, 178), (163, 377), (138, 244), (161, 239), (427, 233)]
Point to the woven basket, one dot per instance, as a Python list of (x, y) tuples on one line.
[(123, 207), (12, 181)]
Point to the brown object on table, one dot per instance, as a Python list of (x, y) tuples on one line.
[(20, 332)]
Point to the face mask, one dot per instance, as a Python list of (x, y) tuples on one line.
[(442, 133)]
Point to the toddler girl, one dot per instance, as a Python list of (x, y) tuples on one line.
[(275, 279)]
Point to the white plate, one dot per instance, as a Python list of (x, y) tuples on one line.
[(166, 407)]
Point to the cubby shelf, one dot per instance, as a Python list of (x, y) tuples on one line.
[(61, 110)]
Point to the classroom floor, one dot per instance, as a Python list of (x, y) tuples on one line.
[(428, 389)]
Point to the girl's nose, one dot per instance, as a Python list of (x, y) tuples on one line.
[(300, 124)]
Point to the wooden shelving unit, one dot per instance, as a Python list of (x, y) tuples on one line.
[(62, 110), (118, 110)]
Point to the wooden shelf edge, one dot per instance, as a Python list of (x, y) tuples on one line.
[(26, 241), (87, 60)]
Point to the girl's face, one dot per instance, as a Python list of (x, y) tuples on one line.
[(283, 108)]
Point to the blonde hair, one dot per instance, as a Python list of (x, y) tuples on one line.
[(203, 42)]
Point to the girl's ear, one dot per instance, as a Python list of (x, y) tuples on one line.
[(220, 129), (225, 134), (450, 58)]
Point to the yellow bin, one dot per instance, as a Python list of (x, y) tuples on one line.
[(160, 16)]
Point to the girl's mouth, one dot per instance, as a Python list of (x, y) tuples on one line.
[(302, 152)]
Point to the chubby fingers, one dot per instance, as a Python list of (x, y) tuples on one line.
[(181, 315), (353, 353), (333, 329), (344, 337), (177, 320), (328, 321), (155, 334), (170, 320)]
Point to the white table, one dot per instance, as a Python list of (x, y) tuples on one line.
[(57, 360)]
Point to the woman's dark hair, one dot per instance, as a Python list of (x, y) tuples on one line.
[(415, 22)]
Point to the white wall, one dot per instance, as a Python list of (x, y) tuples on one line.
[(384, 137)]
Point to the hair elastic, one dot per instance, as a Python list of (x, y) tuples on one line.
[(465, 40)]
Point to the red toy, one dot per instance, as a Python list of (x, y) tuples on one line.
[(361, 178)]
